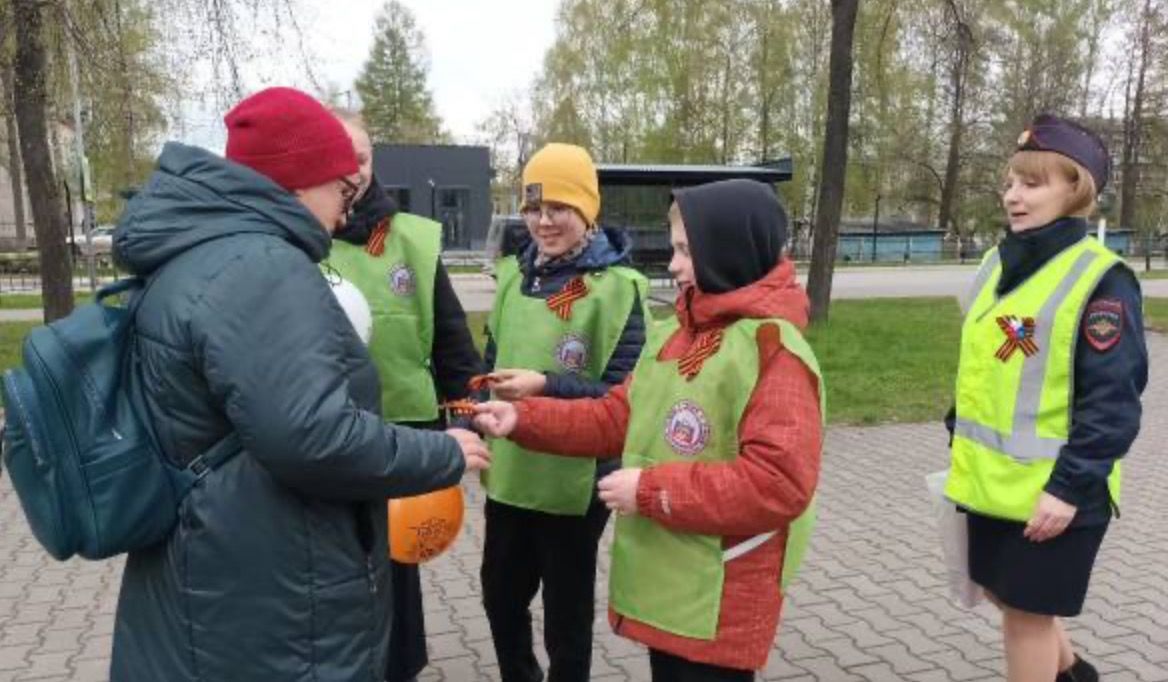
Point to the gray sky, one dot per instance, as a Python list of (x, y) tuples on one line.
[(479, 52)]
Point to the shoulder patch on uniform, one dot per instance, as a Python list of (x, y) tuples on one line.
[(1103, 323)]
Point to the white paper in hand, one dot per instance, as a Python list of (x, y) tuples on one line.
[(951, 524)]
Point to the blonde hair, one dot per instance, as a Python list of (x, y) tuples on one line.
[(1039, 166)]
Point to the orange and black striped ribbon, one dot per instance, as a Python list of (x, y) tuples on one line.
[(1019, 336), (561, 302), (705, 346), (376, 244)]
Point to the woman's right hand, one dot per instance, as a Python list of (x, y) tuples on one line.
[(496, 418)]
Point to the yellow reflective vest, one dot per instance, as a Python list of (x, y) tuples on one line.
[(1015, 381)]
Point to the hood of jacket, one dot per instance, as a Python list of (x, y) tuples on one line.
[(736, 231), (609, 247), (777, 294), (195, 196)]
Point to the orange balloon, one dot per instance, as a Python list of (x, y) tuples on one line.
[(423, 526)]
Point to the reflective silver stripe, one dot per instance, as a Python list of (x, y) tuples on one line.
[(980, 279), (1024, 444), (1023, 447), (1034, 369), (746, 546)]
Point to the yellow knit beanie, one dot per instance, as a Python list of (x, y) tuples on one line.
[(563, 173)]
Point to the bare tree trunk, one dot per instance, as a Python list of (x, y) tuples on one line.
[(835, 157), (958, 78), (15, 173), (31, 116), (1133, 125)]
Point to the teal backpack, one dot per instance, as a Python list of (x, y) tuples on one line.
[(77, 443)]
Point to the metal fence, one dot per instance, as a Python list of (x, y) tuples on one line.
[(21, 272)]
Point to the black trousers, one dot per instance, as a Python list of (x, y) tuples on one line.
[(407, 638), (669, 668), (524, 549)]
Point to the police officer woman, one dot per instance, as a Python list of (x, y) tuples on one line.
[(1052, 365)]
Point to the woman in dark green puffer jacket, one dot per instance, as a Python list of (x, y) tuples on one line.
[(278, 568)]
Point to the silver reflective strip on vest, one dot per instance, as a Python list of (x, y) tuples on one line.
[(747, 546), (1024, 444), (979, 280), (1023, 447)]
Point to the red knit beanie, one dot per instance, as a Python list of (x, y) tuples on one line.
[(289, 137)]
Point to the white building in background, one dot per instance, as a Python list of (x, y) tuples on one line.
[(8, 213), (64, 162)]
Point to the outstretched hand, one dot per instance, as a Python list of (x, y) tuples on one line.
[(517, 384), (474, 450), (496, 418)]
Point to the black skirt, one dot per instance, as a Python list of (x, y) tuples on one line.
[(1048, 578)]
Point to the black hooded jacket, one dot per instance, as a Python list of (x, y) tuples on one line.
[(738, 212)]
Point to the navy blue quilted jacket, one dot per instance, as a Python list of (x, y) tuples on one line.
[(278, 568)]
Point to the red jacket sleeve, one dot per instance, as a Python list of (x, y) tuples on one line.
[(589, 427), (774, 477)]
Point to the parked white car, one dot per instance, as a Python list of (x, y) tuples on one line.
[(103, 241)]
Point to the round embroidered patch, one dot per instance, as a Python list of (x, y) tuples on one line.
[(402, 280), (687, 430), (1103, 323), (572, 352)]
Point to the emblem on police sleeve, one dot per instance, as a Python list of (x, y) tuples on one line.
[(402, 280), (572, 352), (1103, 323), (687, 430)]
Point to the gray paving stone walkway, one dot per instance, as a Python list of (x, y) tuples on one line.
[(870, 603)]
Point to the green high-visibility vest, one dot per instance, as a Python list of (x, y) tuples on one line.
[(1015, 381), (399, 286), (673, 580), (528, 335)]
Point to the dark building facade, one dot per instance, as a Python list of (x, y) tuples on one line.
[(636, 197), (449, 183)]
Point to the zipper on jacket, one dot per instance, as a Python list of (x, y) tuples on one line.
[(372, 577)]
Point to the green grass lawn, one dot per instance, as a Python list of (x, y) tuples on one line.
[(888, 360), (1153, 274), (1156, 314), (31, 301), (883, 360), (11, 334), (461, 269)]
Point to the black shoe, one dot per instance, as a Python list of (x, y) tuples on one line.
[(1080, 671)]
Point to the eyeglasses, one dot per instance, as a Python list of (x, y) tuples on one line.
[(349, 194), (554, 212)]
